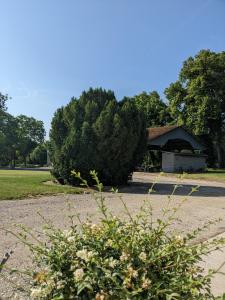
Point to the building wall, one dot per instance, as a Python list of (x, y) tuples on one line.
[(176, 162), (168, 162)]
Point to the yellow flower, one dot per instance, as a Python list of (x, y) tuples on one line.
[(41, 276)]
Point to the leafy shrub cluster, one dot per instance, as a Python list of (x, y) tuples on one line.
[(95, 132), (134, 258)]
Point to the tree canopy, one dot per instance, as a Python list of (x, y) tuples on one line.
[(153, 108), (95, 132), (30, 134), (18, 135), (197, 99), (39, 154)]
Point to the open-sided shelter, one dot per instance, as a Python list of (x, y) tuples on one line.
[(181, 150)]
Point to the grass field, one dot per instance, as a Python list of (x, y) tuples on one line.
[(210, 174), (15, 184)]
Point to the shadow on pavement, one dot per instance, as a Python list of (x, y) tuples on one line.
[(167, 188)]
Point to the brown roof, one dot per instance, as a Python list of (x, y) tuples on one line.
[(155, 132)]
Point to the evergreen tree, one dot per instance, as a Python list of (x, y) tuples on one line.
[(95, 132)]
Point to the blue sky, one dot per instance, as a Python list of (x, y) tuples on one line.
[(51, 50)]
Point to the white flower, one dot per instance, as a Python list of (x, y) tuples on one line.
[(146, 283), (36, 293), (60, 284), (84, 254), (59, 274), (143, 256), (109, 243), (95, 228), (72, 268), (100, 296), (78, 274), (112, 263), (71, 239), (119, 230), (124, 256), (141, 231), (67, 233), (179, 239), (132, 272)]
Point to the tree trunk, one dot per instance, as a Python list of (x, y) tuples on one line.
[(12, 161), (219, 153)]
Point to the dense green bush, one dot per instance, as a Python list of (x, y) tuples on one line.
[(97, 132), (118, 258)]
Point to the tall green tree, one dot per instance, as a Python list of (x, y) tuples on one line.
[(153, 108), (30, 133), (8, 139), (18, 135), (197, 99), (8, 134), (95, 132)]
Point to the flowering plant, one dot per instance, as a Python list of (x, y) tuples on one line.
[(120, 259)]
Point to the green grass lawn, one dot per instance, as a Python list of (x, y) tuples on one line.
[(16, 184), (210, 174)]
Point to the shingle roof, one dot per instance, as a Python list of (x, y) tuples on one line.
[(155, 132)]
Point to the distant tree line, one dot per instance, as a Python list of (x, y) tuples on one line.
[(21, 138)]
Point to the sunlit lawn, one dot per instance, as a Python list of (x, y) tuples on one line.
[(16, 184), (210, 174)]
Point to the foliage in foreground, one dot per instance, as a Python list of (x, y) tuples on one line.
[(119, 259), (97, 132)]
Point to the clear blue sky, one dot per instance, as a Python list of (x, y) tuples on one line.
[(51, 50)]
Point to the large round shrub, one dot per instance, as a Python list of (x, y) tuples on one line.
[(95, 132)]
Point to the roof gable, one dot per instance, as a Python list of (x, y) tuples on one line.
[(159, 136), (155, 132)]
